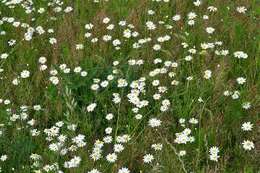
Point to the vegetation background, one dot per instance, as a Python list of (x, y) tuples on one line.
[(220, 118)]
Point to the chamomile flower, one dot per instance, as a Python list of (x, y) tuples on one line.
[(248, 145), (247, 126), (148, 158), (154, 122)]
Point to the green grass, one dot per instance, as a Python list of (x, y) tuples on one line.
[(219, 117)]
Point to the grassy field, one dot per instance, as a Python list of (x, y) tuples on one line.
[(130, 86)]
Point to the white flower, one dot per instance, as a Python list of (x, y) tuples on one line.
[(52, 41), (188, 58), (94, 171), (121, 83), (138, 116), (246, 105), (83, 73), (16, 81), (247, 126), (240, 55), (241, 80), (248, 145), (54, 147), (182, 153), (191, 22), (156, 47), (177, 17), (207, 74), (197, 3), (227, 93), (235, 95), (212, 9), (192, 15), (68, 9), (148, 158), (79, 46), (205, 17), (54, 80), (73, 163), (108, 130), (118, 148), (91, 107), (89, 26), (193, 121), (77, 69), (25, 74), (4, 56), (214, 153), (106, 20), (42, 60), (151, 12), (37, 107), (210, 30), (150, 25), (109, 116), (157, 147), (154, 122), (111, 157), (107, 139), (3, 158), (241, 9), (123, 170)]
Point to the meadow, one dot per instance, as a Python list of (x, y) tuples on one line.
[(129, 86)]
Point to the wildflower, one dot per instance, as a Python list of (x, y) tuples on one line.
[(118, 148), (89, 26), (138, 116), (210, 30), (109, 116), (123, 170), (94, 171), (207, 74), (214, 153), (42, 60), (182, 153), (4, 55), (193, 121), (91, 107), (25, 74), (106, 20), (240, 55), (177, 17), (68, 9), (73, 163), (248, 145), (154, 122), (247, 126), (121, 83), (148, 158), (157, 147), (188, 58), (197, 3), (16, 81), (241, 80), (112, 157), (156, 47), (54, 80), (235, 95), (3, 158), (150, 25), (241, 9), (246, 105), (52, 41)]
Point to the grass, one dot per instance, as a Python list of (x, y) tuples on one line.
[(219, 117)]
